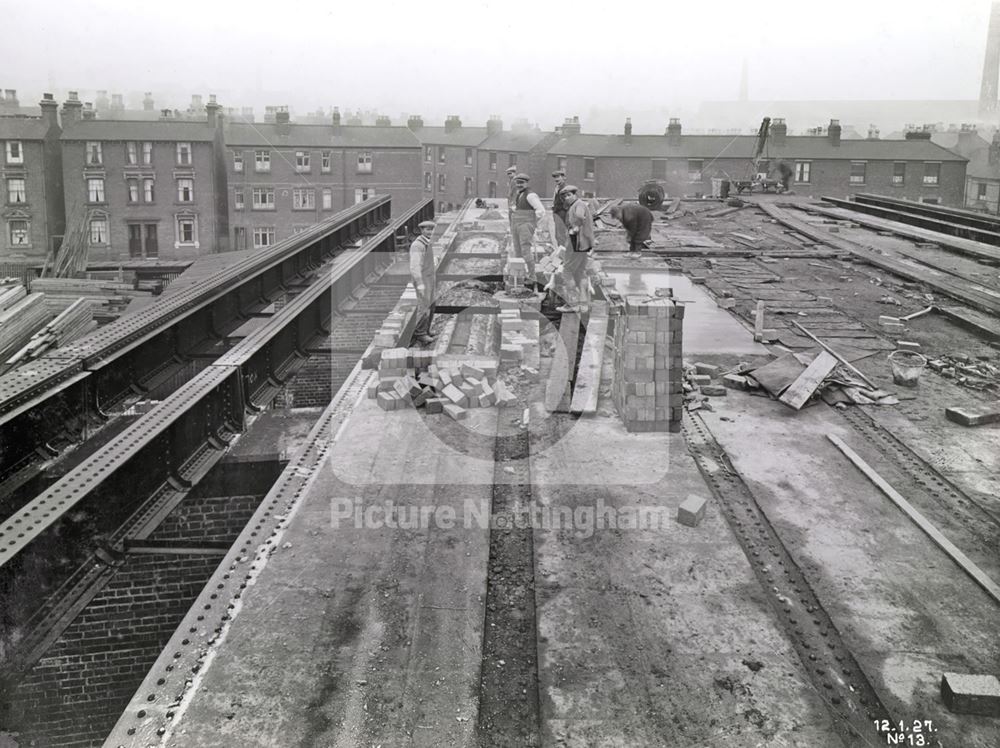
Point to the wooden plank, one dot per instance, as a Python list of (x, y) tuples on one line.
[(758, 322), (977, 574), (588, 376), (970, 319), (836, 355), (557, 394), (799, 391)]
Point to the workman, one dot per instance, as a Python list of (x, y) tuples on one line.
[(559, 209), (528, 213), (580, 228), (638, 222), (422, 274)]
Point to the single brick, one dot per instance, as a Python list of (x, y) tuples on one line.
[(967, 417), (907, 345), (971, 694), (700, 379), (456, 412), (436, 404), (454, 394), (735, 382), (692, 511), (713, 390), (472, 372), (709, 369)]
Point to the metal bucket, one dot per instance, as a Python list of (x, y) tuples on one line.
[(907, 366)]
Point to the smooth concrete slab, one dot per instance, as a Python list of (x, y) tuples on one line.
[(365, 626), (904, 608), (658, 634), (708, 329)]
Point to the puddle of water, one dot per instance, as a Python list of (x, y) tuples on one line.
[(707, 328)]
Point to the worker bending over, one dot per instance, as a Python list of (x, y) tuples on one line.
[(638, 223), (528, 214), (422, 274), (580, 228)]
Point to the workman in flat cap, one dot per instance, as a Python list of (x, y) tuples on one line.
[(528, 213), (580, 227), (511, 193), (422, 274), (559, 209)]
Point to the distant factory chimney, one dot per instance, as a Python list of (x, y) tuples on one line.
[(745, 81), (991, 65)]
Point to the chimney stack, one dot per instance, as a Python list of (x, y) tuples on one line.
[(335, 118), (117, 102), (8, 100), (833, 132), (779, 132), (166, 114), (50, 110), (994, 153), (571, 126), (966, 138), (147, 102), (415, 122), (494, 124), (196, 103), (674, 132), (282, 120), (383, 121), (873, 132), (354, 119), (88, 110), (212, 111), (628, 129), (71, 109), (452, 123), (101, 102)]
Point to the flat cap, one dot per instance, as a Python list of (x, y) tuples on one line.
[(569, 188), (559, 173), (426, 224), (511, 169), (522, 177)]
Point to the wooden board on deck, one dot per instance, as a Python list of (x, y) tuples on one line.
[(588, 375), (557, 392), (799, 391)]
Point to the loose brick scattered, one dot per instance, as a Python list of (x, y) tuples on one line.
[(692, 511), (971, 694), (713, 390), (735, 381), (967, 417)]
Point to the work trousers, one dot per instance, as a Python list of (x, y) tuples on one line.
[(575, 277), (524, 231)]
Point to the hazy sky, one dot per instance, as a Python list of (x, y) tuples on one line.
[(539, 58)]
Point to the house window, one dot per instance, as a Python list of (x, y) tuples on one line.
[(263, 236), (324, 161), (95, 157), (186, 230), (561, 163), (493, 160), (365, 162), (468, 157), (302, 161), (659, 170), (427, 154), (15, 154), (133, 190), (18, 233), (427, 181), (147, 190), (142, 241), (147, 153), (263, 198), (694, 169), (240, 237), (932, 172), (327, 199), (238, 161), (492, 189), (468, 186), (802, 170), (262, 160), (858, 169), (303, 198), (440, 182), (588, 195), (131, 153), (589, 167), (185, 190), (183, 154), (239, 199), (440, 154), (363, 193), (981, 190), (98, 231), (511, 160), (16, 191), (95, 190), (898, 172)]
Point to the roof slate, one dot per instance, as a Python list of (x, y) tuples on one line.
[(320, 136), (110, 129), (741, 146), (22, 128), (513, 141), (462, 136)]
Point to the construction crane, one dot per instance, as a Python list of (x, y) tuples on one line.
[(753, 177)]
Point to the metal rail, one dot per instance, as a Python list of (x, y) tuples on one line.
[(48, 401), (158, 446), (905, 215), (955, 215)]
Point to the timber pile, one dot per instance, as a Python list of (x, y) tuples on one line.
[(75, 321), (106, 296), (19, 321)]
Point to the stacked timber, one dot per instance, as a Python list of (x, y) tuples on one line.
[(19, 321), (108, 297), (76, 320)]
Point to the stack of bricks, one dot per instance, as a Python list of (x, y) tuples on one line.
[(519, 339), (411, 378), (649, 374)]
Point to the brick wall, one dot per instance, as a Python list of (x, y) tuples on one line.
[(74, 695), (34, 210)]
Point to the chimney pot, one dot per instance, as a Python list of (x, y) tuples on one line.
[(833, 132)]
